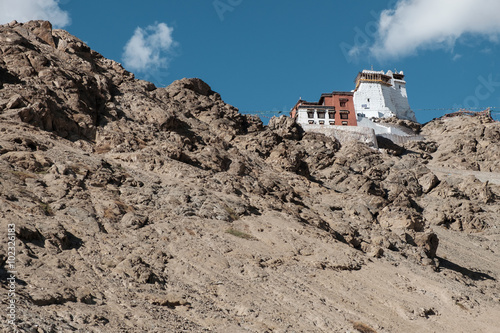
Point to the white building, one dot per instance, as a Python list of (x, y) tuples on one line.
[(381, 95)]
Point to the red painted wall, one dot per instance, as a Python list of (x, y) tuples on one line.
[(334, 100)]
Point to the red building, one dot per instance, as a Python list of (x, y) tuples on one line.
[(332, 109)]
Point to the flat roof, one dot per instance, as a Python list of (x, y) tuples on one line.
[(315, 106), (350, 93)]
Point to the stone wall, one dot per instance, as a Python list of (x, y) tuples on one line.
[(401, 139), (381, 128), (345, 133)]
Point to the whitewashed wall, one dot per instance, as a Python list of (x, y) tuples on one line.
[(377, 100), (345, 133), (302, 117)]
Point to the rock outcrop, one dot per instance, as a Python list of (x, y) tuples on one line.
[(165, 209)]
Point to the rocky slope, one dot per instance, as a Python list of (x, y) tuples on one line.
[(151, 209)]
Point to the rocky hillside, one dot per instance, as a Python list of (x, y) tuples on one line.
[(145, 209)]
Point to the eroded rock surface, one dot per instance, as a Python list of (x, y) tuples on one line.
[(140, 208)]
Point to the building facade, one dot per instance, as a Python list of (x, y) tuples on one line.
[(348, 116), (381, 95), (332, 109)]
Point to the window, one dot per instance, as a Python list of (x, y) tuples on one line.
[(321, 114), (343, 103), (344, 123), (310, 114), (344, 116), (311, 121), (331, 114), (368, 100), (321, 122), (332, 122)]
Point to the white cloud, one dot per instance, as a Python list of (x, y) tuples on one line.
[(147, 48), (25, 10), (432, 24)]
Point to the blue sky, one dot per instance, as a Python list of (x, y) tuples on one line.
[(264, 55)]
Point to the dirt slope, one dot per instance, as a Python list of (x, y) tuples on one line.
[(144, 209)]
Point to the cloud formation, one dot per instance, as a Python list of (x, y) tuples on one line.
[(432, 24), (148, 48), (25, 10)]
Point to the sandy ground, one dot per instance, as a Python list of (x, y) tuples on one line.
[(284, 280)]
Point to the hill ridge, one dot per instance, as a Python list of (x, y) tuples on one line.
[(165, 209)]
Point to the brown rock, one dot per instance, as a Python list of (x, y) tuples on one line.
[(165, 209), (15, 102), (43, 30), (285, 127), (429, 242), (428, 182)]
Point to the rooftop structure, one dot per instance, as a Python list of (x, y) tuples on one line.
[(381, 95)]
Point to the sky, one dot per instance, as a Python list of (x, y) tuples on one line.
[(262, 56)]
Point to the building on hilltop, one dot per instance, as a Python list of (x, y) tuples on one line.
[(349, 115), (333, 115), (382, 95), (332, 109)]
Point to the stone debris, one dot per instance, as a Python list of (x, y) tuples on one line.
[(123, 194)]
